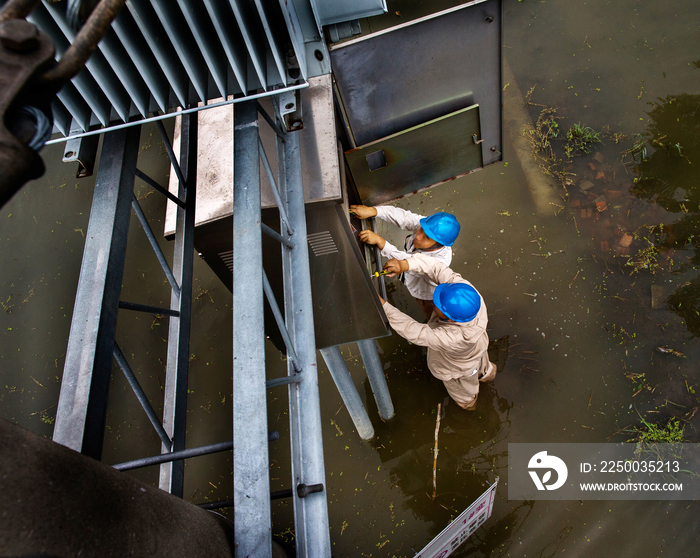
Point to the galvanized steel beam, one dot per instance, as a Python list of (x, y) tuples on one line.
[(375, 374), (175, 400), (156, 247), (251, 481), (140, 395), (310, 511), (348, 392), (82, 404)]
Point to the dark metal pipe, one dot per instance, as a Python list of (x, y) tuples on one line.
[(169, 148), (183, 454), (276, 495), (141, 396), (149, 309), (280, 322), (153, 184), (278, 237), (273, 187), (378, 256), (17, 9), (268, 119), (156, 247)]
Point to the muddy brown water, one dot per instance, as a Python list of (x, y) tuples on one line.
[(583, 362)]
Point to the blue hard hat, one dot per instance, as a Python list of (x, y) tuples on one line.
[(458, 301), (441, 227)]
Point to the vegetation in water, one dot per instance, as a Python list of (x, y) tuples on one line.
[(649, 433), (580, 139)]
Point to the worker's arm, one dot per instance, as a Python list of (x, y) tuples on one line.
[(392, 252), (403, 219), (416, 333), (433, 269), (363, 212)]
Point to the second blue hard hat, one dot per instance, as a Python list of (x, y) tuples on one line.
[(441, 227), (458, 301)]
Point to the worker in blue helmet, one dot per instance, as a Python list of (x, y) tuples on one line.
[(455, 334), (433, 236)]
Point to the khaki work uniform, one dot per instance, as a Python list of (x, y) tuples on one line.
[(456, 351), (420, 286)]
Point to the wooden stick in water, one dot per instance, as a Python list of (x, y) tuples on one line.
[(435, 452)]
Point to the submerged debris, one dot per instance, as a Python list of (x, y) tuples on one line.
[(669, 351)]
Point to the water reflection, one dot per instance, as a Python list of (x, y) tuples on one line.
[(471, 448), (667, 170)]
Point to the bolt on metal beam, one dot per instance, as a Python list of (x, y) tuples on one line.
[(278, 237)]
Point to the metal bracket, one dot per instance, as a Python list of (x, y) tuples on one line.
[(475, 140), (290, 110), (81, 150)]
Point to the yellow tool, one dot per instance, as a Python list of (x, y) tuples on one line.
[(378, 273)]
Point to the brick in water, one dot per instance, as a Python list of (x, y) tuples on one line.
[(586, 185), (613, 194), (576, 203), (626, 240), (658, 295), (601, 205), (589, 212), (592, 166), (584, 213), (604, 246), (600, 175), (599, 157)]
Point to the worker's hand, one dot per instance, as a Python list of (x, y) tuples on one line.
[(394, 267), (363, 212), (368, 237), (382, 300)]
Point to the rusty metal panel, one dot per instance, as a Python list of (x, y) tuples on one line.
[(421, 156)]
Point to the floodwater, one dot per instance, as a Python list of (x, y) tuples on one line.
[(583, 363)]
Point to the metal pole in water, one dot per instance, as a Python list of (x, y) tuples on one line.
[(346, 387), (375, 373)]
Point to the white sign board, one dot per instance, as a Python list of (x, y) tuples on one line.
[(461, 528)]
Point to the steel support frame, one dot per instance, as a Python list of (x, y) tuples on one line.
[(251, 480), (82, 404), (172, 474), (306, 438), (348, 392)]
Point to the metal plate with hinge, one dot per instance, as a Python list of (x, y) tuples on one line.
[(424, 155), (424, 72)]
